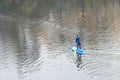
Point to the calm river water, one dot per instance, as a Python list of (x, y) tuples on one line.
[(41, 49)]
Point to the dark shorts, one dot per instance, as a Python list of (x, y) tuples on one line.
[(78, 43)]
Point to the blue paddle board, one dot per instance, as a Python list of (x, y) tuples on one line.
[(78, 51)]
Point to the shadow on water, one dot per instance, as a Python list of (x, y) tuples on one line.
[(79, 61)]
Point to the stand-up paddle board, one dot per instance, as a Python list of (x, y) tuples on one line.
[(78, 51)]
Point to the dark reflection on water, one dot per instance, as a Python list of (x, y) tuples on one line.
[(32, 49)]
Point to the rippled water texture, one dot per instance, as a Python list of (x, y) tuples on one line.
[(40, 49)]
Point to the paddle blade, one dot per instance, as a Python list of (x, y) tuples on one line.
[(74, 53)]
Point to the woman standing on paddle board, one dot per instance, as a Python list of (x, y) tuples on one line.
[(78, 42), (79, 60)]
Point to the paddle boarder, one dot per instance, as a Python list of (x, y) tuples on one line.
[(78, 42)]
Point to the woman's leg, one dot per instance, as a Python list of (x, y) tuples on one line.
[(79, 45)]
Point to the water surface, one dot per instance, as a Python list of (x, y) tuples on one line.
[(40, 48)]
